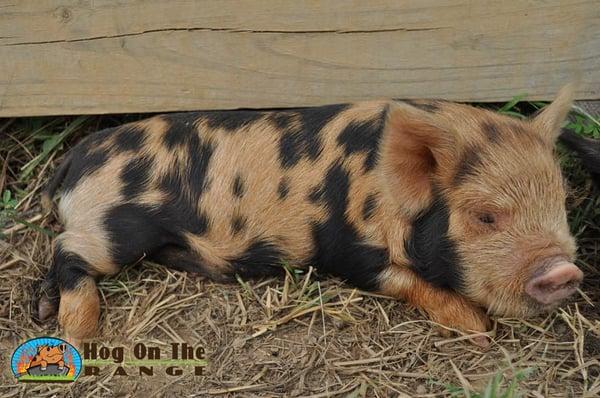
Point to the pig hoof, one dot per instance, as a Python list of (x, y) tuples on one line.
[(46, 309), (481, 341), (74, 341), (44, 304)]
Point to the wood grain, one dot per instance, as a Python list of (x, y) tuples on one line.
[(88, 57)]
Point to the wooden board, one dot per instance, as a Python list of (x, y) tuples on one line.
[(94, 56)]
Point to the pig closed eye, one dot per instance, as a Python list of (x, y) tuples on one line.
[(484, 221), (486, 218)]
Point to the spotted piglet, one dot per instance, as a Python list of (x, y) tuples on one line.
[(457, 210)]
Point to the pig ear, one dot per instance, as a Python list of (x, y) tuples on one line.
[(549, 122), (416, 144)]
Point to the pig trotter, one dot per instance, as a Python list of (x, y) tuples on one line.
[(445, 307), (79, 305)]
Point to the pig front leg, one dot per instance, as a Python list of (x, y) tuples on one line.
[(445, 307)]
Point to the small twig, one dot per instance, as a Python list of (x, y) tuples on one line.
[(322, 312), (20, 226), (232, 389)]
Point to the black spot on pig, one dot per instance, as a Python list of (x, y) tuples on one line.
[(315, 194), (470, 162), (238, 224), (432, 253), (181, 127), (130, 138), (199, 154), (303, 140), (83, 165), (339, 248), (369, 206), (290, 148), (491, 131), (363, 136), (282, 120), (238, 186), (262, 258), (197, 224), (180, 208), (180, 258), (170, 183), (68, 268), (283, 188), (135, 175), (230, 120), (136, 231), (86, 158)]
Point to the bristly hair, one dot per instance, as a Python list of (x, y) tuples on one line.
[(432, 254)]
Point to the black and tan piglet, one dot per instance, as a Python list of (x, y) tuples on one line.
[(455, 209)]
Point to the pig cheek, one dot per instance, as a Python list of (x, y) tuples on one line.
[(494, 269), (476, 250), (494, 277)]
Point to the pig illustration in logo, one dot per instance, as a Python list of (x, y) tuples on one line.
[(46, 360), (48, 355)]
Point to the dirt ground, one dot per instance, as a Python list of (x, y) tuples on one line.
[(302, 336)]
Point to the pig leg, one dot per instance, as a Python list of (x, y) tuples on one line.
[(43, 365), (70, 284), (445, 307), (61, 364)]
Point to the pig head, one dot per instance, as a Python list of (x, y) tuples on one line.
[(488, 200)]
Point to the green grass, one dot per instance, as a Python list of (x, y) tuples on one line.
[(50, 143), (497, 387), (46, 379), (30, 145), (7, 208)]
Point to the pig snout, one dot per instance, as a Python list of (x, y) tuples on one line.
[(554, 281)]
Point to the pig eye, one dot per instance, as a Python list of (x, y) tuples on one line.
[(486, 218)]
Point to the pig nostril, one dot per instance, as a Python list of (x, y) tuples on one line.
[(555, 284)]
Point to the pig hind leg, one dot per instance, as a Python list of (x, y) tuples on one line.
[(126, 234), (70, 287)]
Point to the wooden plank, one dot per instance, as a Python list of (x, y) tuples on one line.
[(85, 57)]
